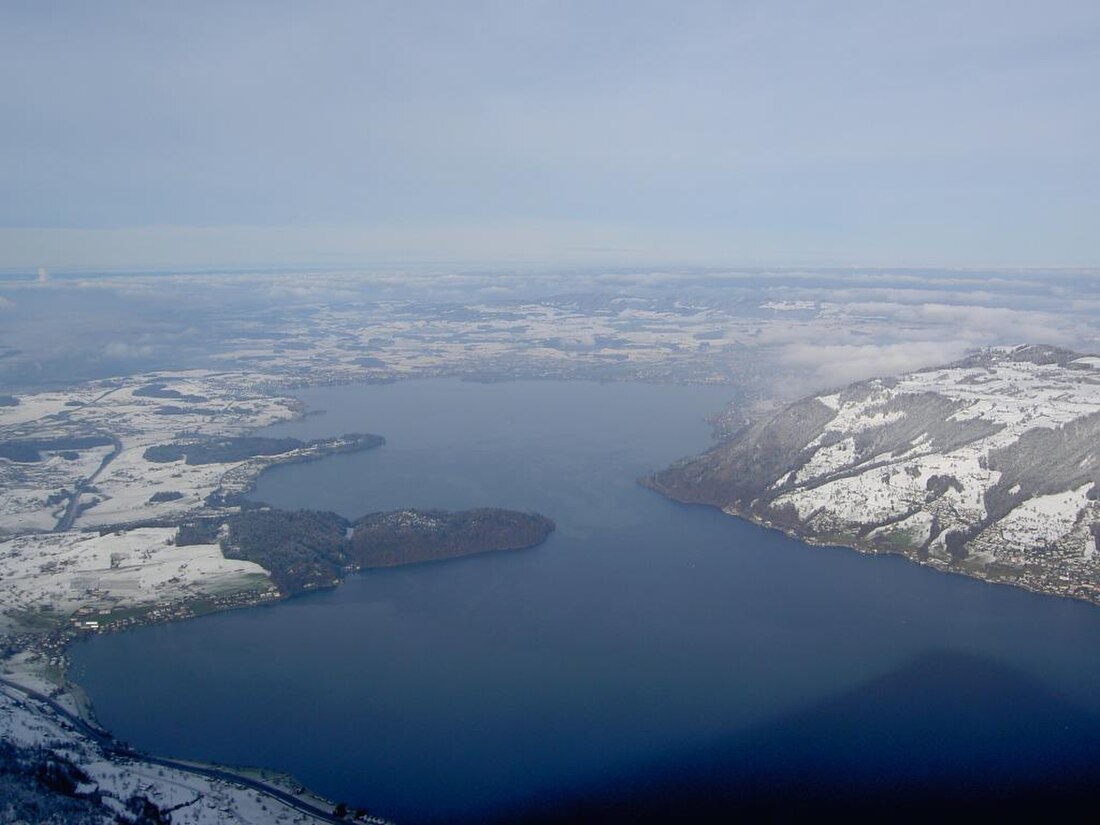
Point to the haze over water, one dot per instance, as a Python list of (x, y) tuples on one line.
[(641, 630)]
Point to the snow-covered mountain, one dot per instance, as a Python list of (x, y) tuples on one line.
[(988, 466)]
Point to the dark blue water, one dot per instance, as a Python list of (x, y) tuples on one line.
[(644, 634)]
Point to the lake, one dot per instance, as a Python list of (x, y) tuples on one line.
[(646, 645)]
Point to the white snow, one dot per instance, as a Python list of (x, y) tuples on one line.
[(1043, 520), (26, 723), (234, 405), (66, 571), (834, 491), (827, 460)]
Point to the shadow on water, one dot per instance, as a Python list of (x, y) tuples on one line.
[(943, 734)]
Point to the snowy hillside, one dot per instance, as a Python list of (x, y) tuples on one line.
[(988, 466)]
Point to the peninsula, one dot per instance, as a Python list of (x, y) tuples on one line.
[(307, 549)]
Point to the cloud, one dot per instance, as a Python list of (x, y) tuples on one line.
[(122, 349), (835, 365), (1019, 318)]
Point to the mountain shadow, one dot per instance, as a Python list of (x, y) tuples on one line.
[(946, 734)]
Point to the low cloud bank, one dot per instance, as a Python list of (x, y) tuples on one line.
[(837, 365)]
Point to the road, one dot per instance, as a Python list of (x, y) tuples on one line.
[(112, 747)]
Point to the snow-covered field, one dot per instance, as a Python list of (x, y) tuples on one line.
[(65, 572), (34, 495), (47, 576)]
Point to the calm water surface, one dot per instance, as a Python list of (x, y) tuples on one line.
[(642, 630)]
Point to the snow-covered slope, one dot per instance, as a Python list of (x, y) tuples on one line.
[(72, 777), (988, 466)]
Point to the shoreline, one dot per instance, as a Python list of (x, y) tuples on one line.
[(242, 481), (866, 549), (43, 662), (40, 668)]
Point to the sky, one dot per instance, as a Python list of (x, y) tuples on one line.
[(956, 134)]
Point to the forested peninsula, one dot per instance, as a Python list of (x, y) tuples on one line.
[(304, 550)]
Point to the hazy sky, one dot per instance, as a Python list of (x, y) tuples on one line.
[(953, 133)]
